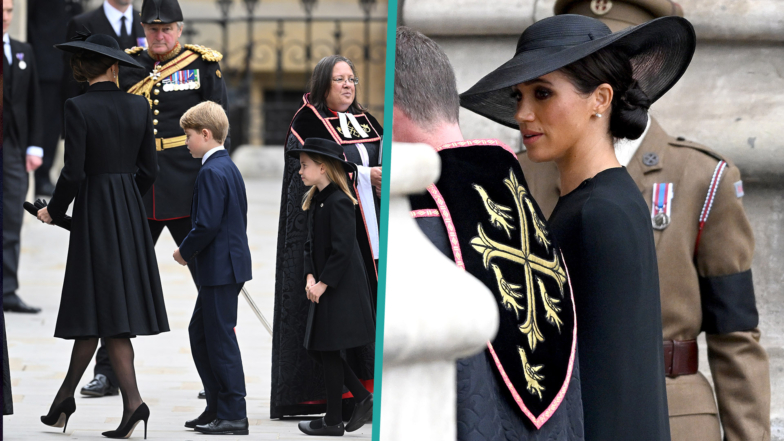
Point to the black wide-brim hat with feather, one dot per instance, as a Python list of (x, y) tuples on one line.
[(660, 51), (100, 44), (324, 147)]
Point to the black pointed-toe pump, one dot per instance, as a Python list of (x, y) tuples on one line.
[(142, 413), (58, 415)]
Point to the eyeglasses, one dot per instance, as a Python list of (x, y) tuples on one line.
[(341, 80)]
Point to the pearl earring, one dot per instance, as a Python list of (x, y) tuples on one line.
[(598, 115)]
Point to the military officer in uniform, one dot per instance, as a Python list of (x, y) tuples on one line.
[(176, 77), (704, 246)]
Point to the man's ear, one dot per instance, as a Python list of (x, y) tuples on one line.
[(206, 134)]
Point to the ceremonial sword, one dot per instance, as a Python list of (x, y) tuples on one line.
[(255, 309)]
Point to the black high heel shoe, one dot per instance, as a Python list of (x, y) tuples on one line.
[(142, 413), (58, 415)]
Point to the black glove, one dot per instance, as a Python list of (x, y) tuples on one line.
[(41, 203)]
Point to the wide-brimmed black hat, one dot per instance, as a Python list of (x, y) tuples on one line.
[(324, 147), (161, 11), (100, 44), (660, 51)]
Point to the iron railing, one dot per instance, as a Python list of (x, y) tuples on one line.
[(292, 52)]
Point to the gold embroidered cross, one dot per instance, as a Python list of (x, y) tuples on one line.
[(534, 267)]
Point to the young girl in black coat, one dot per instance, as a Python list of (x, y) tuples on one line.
[(341, 314)]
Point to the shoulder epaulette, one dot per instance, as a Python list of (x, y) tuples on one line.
[(136, 50), (206, 53), (682, 142)]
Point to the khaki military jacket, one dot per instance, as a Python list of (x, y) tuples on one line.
[(711, 292)]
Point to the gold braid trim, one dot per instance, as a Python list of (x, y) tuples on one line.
[(144, 87), (134, 50), (206, 53)]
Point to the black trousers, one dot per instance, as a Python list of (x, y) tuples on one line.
[(54, 115), (14, 190), (179, 228), (216, 352)]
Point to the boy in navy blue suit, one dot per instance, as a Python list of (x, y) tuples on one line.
[(219, 245)]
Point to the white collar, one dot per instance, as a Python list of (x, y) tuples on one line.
[(210, 152), (114, 16), (6, 38), (626, 148)]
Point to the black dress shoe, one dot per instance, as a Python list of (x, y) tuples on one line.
[(321, 428), (224, 427), (202, 395), (362, 413), (204, 418), (99, 387), (12, 303)]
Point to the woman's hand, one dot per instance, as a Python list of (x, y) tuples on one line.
[(316, 291), (43, 215), (309, 282)]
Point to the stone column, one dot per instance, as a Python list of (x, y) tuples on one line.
[(435, 314)]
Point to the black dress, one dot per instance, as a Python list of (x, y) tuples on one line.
[(112, 287), (604, 230), (344, 317)]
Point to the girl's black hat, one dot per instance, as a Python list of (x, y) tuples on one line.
[(100, 44), (324, 147), (660, 51)]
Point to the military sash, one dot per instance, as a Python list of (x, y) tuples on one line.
[(144, 87), (498, 234)]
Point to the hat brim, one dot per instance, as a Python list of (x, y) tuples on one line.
[(116, 54), (660, 51), (349, 167)]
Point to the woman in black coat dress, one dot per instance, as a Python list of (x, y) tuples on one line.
[(341, 312), (112, 288), (573, 88)]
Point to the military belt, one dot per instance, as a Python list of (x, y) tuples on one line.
[(681, 357), (168, 143)]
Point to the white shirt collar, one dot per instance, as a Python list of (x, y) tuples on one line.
[(210, 152), (114, 16), (6, 38), (626, 148)]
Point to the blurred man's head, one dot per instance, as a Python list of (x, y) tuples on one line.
[(425, 87), (120, 5), (8, 14)]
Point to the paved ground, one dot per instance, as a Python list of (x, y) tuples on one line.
[(167, 378)]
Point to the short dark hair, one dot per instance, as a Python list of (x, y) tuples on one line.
[(629, 107), (87, 65), (321, 83), (425, 84)]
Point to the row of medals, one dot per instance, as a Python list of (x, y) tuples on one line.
[(190, 85)]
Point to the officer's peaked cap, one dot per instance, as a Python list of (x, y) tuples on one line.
[(619, 14)]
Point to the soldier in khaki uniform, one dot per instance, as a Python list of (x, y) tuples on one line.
[(704, 245)]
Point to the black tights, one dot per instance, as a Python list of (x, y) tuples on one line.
[(121, 355), (337, 373)]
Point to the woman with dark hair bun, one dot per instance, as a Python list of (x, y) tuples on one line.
[(572, 88), (329, 110), (112, 289)]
